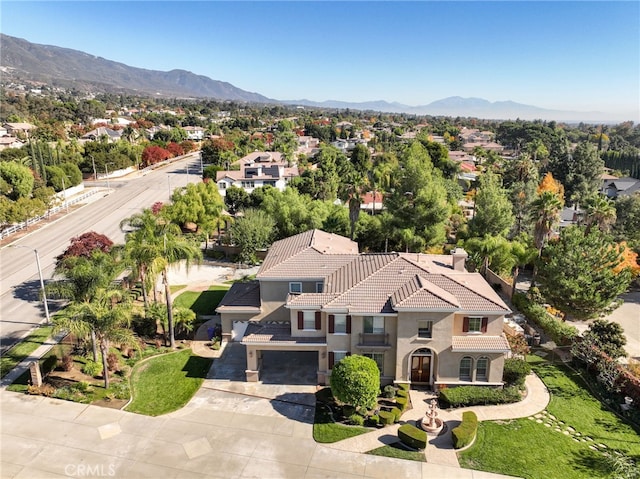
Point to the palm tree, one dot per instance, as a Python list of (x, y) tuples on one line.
[(152, 246), (522, 255), (82, 279), (599, 211), (546, 210), (106, 316)]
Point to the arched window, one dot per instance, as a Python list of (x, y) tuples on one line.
[(466, 364), (482, 369)]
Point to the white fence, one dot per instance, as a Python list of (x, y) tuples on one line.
[(31, 221)]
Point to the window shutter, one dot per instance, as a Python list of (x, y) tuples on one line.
[(332, 325), (331, 360), (465, 325), (318, 324), (349, 324), (483, 326), (300, 320)]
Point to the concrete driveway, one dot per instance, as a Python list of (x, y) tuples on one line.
[(230, 429), (628, 316)]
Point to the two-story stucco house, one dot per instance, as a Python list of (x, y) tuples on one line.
[(423, 318), (261, 168)]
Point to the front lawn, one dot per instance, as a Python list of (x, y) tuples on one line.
[(201, 302), (23, 349), (398, 451), (568, 440), (325, 429), (166, 383)]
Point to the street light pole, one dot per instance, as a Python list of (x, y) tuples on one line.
[(44, 293), (95, 175), (64, 191)]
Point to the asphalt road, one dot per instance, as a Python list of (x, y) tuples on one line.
[(20, 307)]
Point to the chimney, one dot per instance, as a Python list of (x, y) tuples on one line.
[(459, 258)]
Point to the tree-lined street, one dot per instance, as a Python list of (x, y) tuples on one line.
[(20, 306)]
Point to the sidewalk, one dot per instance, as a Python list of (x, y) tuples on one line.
[(23, 365), (440, 448)]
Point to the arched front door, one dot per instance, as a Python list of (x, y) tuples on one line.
[(421, 366)]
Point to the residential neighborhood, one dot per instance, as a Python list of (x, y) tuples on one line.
[(203, 281)]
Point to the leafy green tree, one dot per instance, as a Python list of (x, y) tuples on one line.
[(579, 172), (417, 206), (578, 273), (355, 380), (251, 232), (18, 180), (493, 210), (608, 337), (293, 212), (627, 225), (200, 204), (236, 199)]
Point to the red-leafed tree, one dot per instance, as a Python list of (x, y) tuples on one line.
[(85, 244), (175, 149), (153, 154), (187, 146)]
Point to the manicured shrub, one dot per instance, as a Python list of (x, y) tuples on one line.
[(355, 380), (387, 417), (464, 434), (402, 403), (403, 386), (388, 392), (412, 436), (396, 414), (402, 393), (92, 368), (561, 333), (356, 420), (478, 395), (515, 372)]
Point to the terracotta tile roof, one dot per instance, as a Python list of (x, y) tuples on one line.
[(480, 344), (360, 268), (420, 293), (241, 296), (279, 333), (310, 299), (312, 254)]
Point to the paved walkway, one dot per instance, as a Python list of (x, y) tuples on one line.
[(23, 365), (440, 449)]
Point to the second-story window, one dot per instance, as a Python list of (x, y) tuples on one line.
[(373, 325), (295, 287), (425, 329), (474, 324), (340, 325), (309, 321), (319, 287)]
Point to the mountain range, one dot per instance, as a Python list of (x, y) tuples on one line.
[(65, 67)]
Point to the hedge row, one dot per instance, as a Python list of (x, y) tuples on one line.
[(560, 332), (464, 434), (463, 396), (412, 436), (515, 372)]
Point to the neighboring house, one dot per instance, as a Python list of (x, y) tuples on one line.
[(257, 169), (15, 128), (620, 187), (372, 201), (10, 142), (102, 132), (570, 215), (194, 133), (423, 318)]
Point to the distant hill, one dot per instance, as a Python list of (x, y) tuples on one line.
[(48, 63), (72, 68), (467, 107)]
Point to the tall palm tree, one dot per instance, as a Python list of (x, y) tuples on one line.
[(546, 210), (153, 244), (522, 254), (106, 315), (599, 211)]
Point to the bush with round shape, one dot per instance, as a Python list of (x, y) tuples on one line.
[(388, 392), (92, 368), (356, 420), (355, 380), (387, 417), (515, 371)]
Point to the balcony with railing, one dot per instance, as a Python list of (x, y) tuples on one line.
[(374, 340)]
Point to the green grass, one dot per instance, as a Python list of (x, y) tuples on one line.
[(24, 348), (325, 430), (529, 449), (166, 383), (204, 302), (176, 287), (397, 451)]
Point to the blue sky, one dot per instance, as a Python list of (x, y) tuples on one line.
[(561, 55)]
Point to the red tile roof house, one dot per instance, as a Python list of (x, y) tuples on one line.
[(423, 318)]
